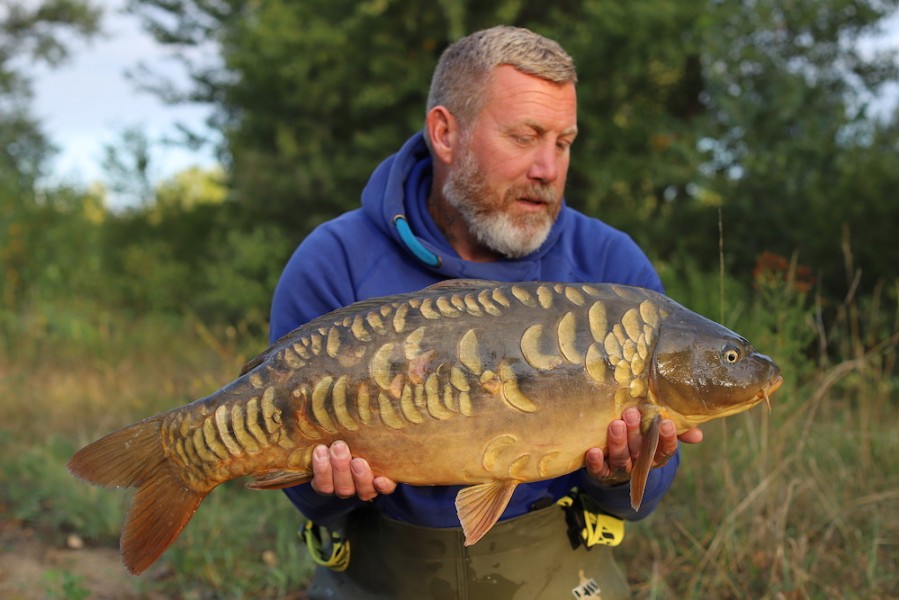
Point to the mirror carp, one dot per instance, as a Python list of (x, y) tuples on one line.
[(473, 383)]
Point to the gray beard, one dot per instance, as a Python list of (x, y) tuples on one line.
[(507, 236)]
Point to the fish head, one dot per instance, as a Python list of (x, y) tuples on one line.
[(702, 370)]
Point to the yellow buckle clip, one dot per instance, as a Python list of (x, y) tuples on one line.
[(337, 554), (587, 525)]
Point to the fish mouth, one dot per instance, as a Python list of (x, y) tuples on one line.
[(763, 394)]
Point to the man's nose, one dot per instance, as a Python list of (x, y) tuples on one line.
[(546, 164)]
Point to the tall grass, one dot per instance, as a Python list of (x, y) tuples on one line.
[(799, 503), (75, 373)]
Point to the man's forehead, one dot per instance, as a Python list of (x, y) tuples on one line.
[(508, 82)]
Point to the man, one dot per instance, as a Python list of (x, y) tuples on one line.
[(477, 194)]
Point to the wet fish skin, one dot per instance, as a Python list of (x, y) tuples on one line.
[(473, 383)]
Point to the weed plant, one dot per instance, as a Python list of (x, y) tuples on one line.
[(800, 502), (76, 373)]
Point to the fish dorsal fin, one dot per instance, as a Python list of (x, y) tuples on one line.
[(462, 284), (640, 473), (254, 363), (480, 506), (362, 306), (277, 480), (325, 320)]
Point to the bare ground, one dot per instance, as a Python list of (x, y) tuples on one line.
[(35, 568)]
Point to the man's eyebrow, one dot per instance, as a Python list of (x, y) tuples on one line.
[(540, 130)]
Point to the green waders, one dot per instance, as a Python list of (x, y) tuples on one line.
[(528, 557)]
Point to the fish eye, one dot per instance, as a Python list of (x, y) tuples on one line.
[(731, 354)]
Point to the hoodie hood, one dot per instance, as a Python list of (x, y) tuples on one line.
[(396, 200)]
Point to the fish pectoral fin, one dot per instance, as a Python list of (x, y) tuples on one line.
[(640, 472), (480, 506), (277, 480)]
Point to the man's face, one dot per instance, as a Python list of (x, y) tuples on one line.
[(508, 177)]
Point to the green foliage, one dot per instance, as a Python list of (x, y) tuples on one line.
[(127, 167), (35, 243), (65, 586), (242, 543), (48, 242), (787, 131), (37, 485), (242, 273), (777, 504), (75, 375), (755, 108), (751, 108)]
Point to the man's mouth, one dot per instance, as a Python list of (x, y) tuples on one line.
[(531, 203)]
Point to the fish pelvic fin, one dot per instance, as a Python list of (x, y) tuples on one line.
[(163, 504), (640, 472), (480, 506), (278, 480)]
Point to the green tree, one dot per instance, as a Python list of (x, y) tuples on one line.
[(156, 251), (788, 130), (752, 107), (30, 33), (312, 95), (127, 167)]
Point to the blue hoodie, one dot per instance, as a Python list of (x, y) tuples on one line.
[(391, 245)]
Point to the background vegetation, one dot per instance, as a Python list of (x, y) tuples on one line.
[(748, 123)]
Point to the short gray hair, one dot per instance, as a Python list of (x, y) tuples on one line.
[(465, 67)]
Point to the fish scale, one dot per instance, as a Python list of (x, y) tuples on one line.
[(486, 384)]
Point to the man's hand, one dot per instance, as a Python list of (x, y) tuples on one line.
[(624, 442), (335, 471)]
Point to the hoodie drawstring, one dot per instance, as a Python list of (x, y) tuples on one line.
[(412, 243)]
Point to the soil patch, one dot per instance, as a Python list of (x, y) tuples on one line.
[(33, 568)]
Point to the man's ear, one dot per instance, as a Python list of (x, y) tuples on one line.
[(443, 130)]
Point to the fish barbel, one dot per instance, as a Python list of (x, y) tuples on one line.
[(472, 383)]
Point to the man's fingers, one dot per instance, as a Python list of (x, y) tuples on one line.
[(691, 436), (667, 443), (383, 485), (322, 479), (344, 486), (336, 472), (619, 457), (362, 478), (596, 463), (631, 419)]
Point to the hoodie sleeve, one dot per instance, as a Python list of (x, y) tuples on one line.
[(316, 280)]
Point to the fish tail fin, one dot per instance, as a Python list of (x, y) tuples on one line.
[(163, 504), (640, 472)]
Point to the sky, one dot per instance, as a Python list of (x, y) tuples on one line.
[(86, 103)]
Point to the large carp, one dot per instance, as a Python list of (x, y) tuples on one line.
[(466, 382)]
